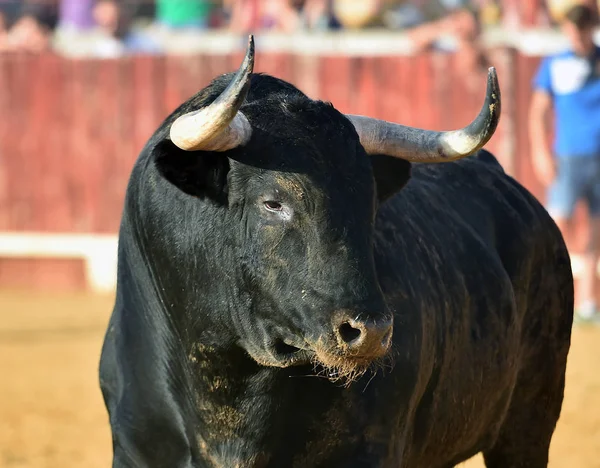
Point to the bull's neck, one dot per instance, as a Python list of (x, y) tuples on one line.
[(256, 416), (235, 402)]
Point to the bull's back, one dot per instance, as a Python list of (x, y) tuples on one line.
[(461, 253)]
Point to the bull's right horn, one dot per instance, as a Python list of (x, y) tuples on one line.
[(220, 126), (428, 146)]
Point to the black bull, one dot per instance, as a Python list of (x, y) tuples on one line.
[(294, 292)]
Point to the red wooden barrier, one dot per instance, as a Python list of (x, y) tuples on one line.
[(70, 130)]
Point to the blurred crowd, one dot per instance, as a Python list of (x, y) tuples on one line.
[(130, 26)]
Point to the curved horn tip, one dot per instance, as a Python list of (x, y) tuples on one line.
[(248, 62), (493, 99), (493, 86)]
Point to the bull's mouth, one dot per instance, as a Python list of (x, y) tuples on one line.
[(290, 355), (326, 363), (281, 348)]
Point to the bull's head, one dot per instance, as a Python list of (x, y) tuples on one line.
[(296, 179)]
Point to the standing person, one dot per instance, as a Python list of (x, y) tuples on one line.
[(569, 82)]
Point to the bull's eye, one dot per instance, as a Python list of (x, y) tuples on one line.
[(273, 205)]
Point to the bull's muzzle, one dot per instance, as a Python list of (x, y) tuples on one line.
[(366, 339)]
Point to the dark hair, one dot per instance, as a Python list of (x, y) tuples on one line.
[(582, 16), (45, 12)]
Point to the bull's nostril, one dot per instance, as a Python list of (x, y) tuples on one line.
[(348, 333)]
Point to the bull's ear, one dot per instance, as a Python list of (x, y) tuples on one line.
[(391, 175), (198, 173)]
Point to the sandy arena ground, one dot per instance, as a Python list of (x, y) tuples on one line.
[(52, 415)]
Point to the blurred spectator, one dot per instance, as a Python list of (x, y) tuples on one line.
[(116, 36), (464, 28), (76, 14), (32, 30), (558, 8), (243, 15), (254, 15), (280, 15), (460, 23), (355, 15), (313, 14), (401, 14), (145, 9), (491, 13), (569, 83), (178, 14), (316, 15), (109, 22)]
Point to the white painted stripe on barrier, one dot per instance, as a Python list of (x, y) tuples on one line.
[(577, 265), (369, 42), (99, 251)]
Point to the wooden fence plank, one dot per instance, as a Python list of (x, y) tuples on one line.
[(50, 125), (20, 184), (336, 82), (110, 183), (5, 142)]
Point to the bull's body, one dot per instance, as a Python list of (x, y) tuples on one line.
[(476, 275)]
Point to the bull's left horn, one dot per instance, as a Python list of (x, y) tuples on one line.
[(220, 126), (417, 145)]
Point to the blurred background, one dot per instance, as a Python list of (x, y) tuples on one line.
[(84, 84)]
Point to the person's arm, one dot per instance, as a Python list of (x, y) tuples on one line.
[(424, 35), (539, 109)]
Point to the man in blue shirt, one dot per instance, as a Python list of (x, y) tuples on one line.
[(569, 82)]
